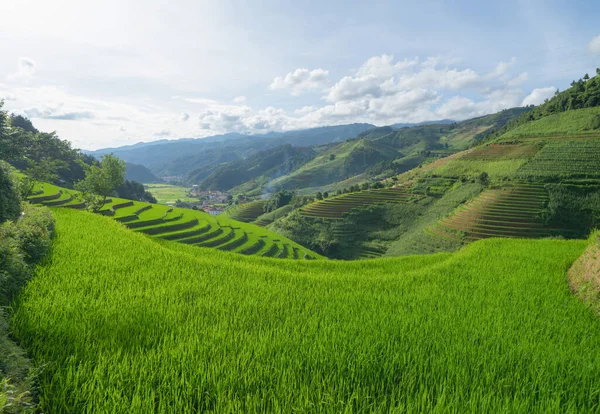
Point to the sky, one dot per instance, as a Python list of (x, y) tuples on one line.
[(115, 72)]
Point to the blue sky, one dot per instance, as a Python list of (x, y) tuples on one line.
[(113, 72)]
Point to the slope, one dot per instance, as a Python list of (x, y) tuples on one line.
[(385, 151), (192, 227), (123, 324)]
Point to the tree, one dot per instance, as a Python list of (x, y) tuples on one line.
[(484, 179), (18, 121), (325, 194), (365, 186), (101, 181), (598, 71), (10, 203), (45, 171), (331, 157), (319, 195), (279, 199), (586, 77)]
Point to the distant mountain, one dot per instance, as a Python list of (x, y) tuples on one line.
[(381, 151), (440, 122), (141, 174), (180, 157), (262, 167)]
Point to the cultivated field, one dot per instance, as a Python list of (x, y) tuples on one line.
[(191, 227), (169, 194), (335, 207), (512, 211), (246, 212), (123, 324)]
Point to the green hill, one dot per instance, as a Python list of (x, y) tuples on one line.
[(191, 227), (122, 323), (535, 177), (385, 151)]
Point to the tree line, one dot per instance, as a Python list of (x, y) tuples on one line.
[(45, 158)]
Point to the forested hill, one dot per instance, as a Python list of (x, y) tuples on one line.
[(141, 174), (180, 157), (373, 154)]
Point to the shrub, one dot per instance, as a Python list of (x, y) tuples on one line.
[(22, 244), (9, 195)]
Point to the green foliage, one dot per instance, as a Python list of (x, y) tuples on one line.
[(272, 163), (572, 206), (9, 194), (46, 170), (101, 181), (582, 95), (19, 121), (23, 243), (484, 179), (278, 200), (594, 123), (319, 195), (132, 190), (123, 332)]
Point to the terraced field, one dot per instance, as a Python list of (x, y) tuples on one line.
[(512, 211), (498, 151), (190, 227), (571, 158), (246, 212), (336, 207)]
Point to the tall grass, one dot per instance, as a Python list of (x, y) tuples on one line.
[(123, 324)]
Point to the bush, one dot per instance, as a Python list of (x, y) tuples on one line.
[(10, 203), (22, 244)]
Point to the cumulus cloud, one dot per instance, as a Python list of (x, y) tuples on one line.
[(301, 80), (594, 46), (381, 91), (537, 96), (503, 67)]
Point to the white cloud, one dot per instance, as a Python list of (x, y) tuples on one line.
[(301, 80), (519, 79), (383, 66), (537, 96), (381, 91), (594, 46), (503, 67), (25, 70)]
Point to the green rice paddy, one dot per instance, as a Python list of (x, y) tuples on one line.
[(120, 323)]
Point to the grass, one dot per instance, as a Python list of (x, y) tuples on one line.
[(496, 170), (570, 122), (246, 212), (196, 227), (133, 326), (565, 158), (169, 194), (336, 207)]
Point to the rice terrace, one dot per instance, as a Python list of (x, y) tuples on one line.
[(283, 208)]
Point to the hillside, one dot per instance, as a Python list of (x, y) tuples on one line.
[(536, 177), (259, 168), (141, 174), (190, 227), (118, 330), (385, 151), (199, 157)]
